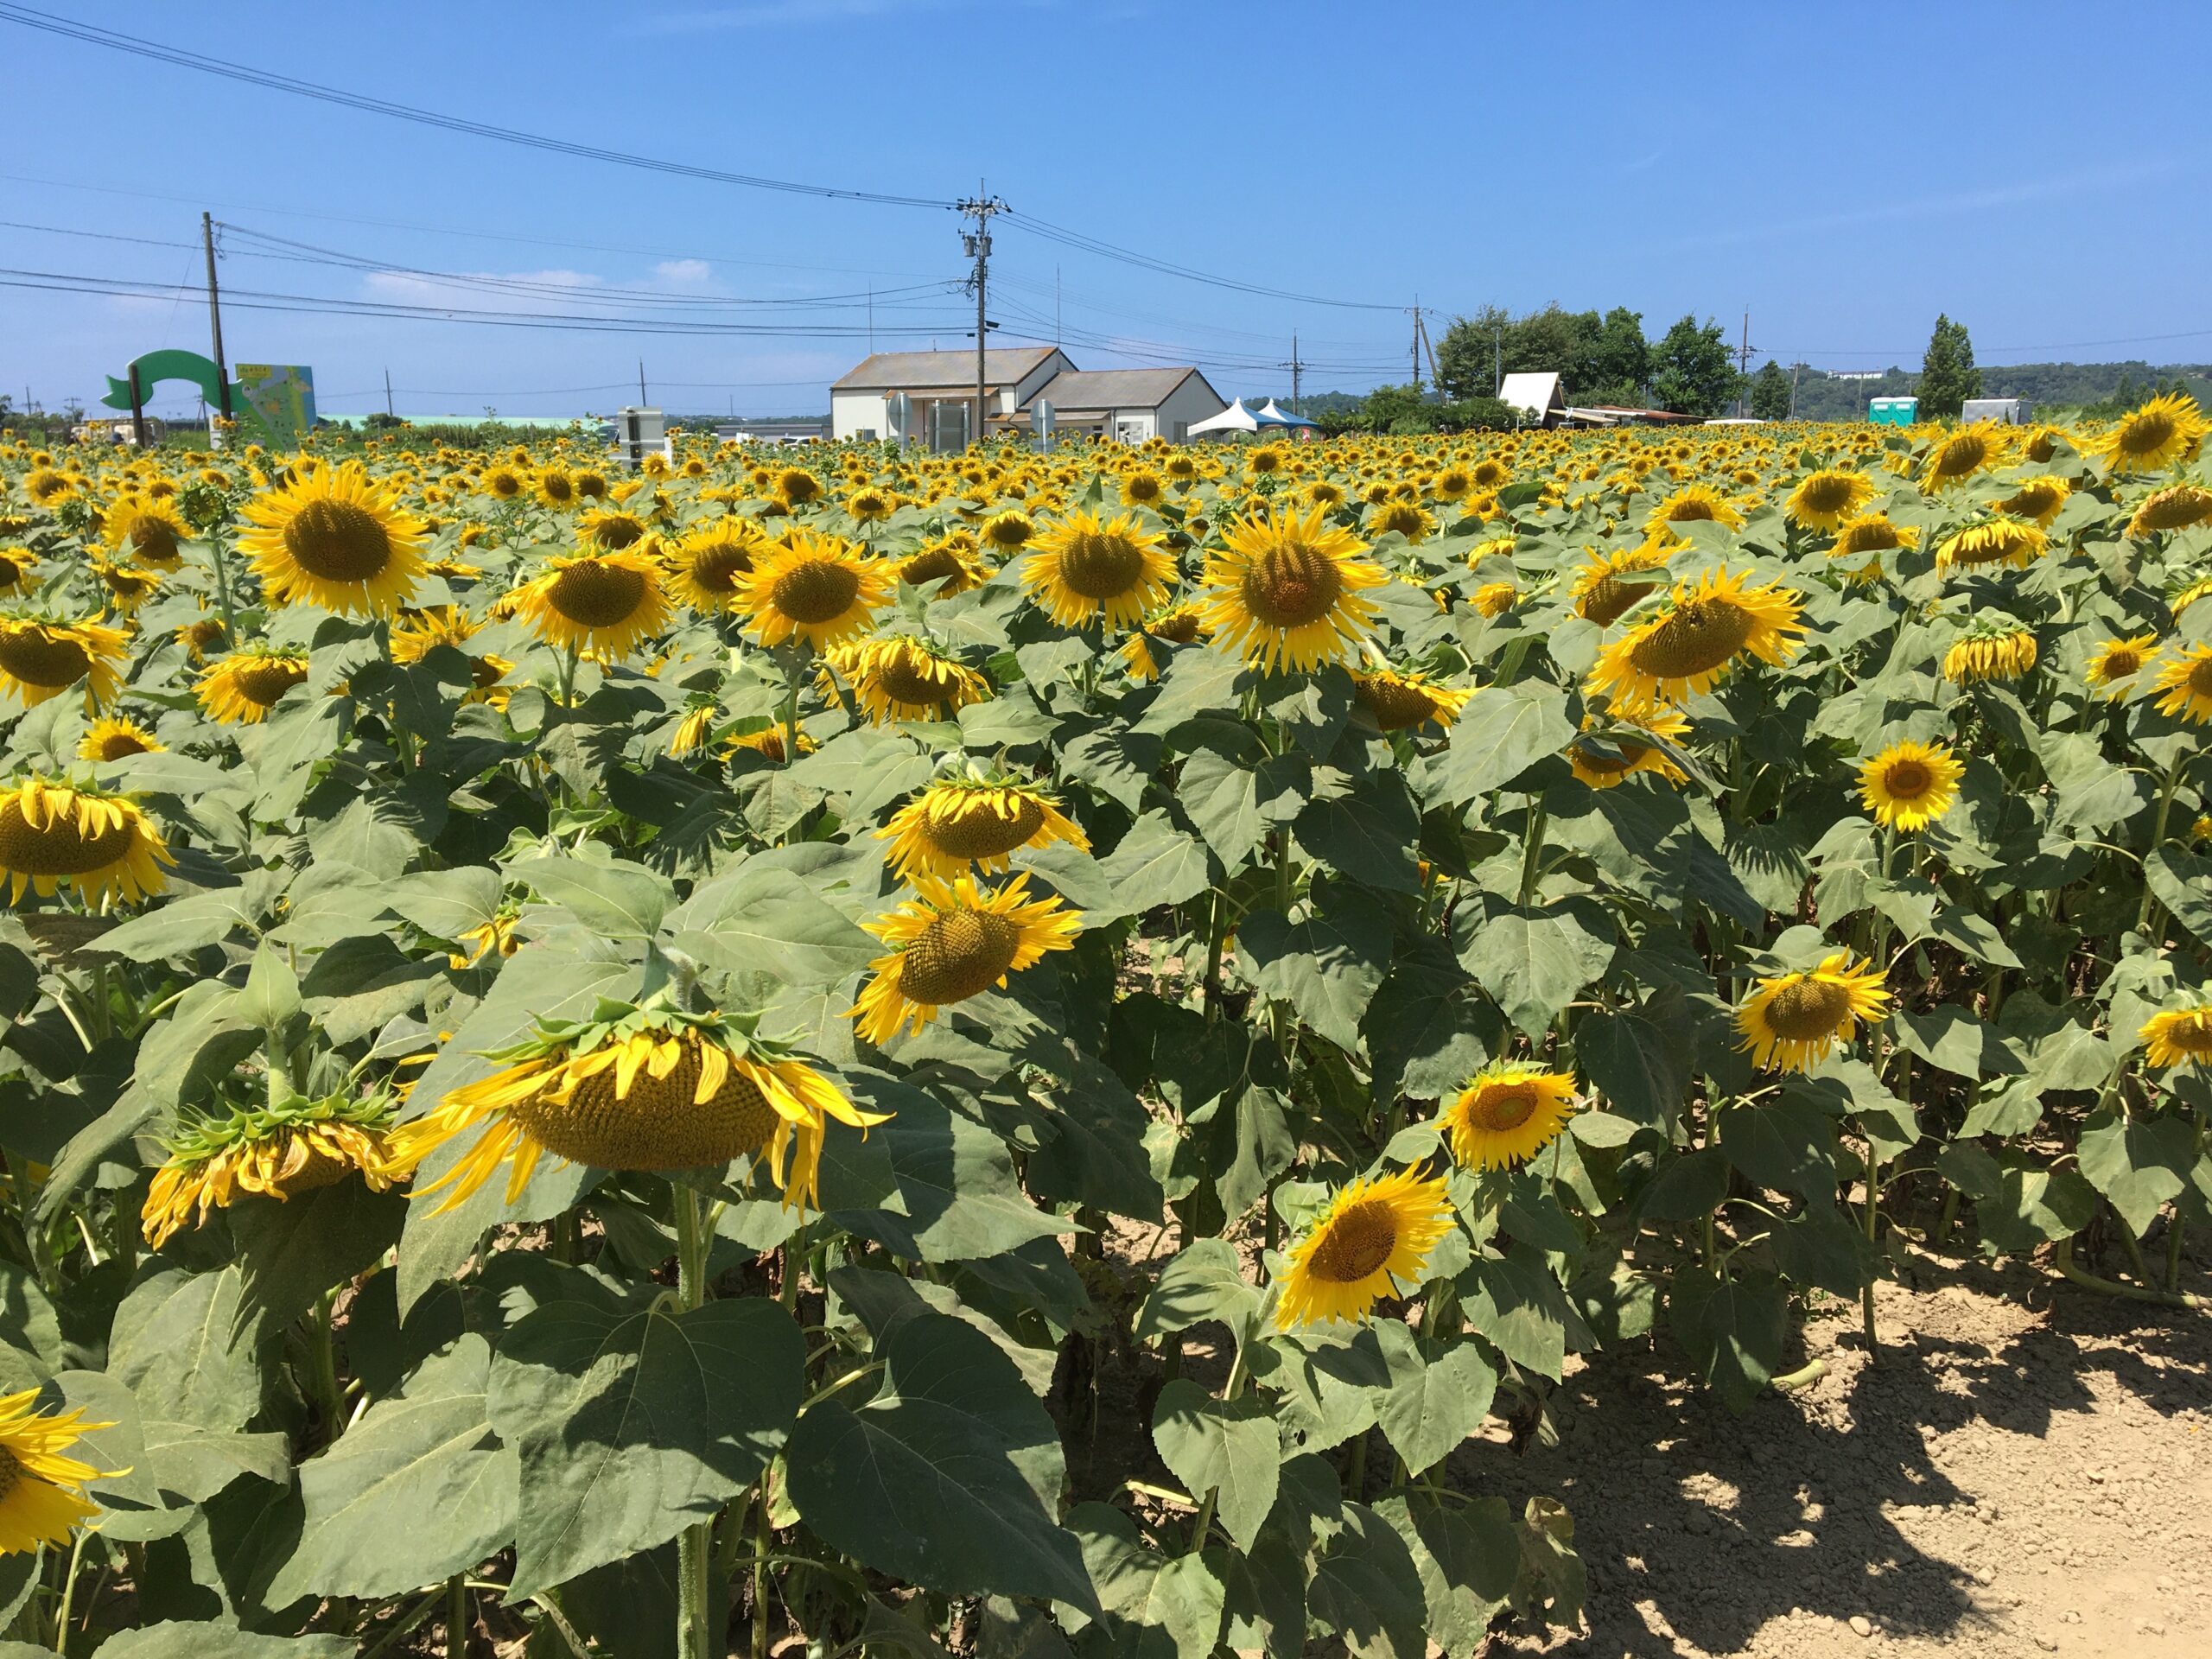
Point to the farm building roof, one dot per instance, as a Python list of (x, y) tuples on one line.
[(891, 370)]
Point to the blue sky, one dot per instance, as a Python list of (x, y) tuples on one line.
[(2035, 170)]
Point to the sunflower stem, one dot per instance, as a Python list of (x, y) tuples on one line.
[(694, 1545), (1237, 1371), (764, 1540), (1216, 940), (223, 588), (457, 1617), (324, 1354), (68, 1590), (1532, 860), (2150, 905), (1873, 1230)]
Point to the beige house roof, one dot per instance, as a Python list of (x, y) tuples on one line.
[(1071, 390), (904, 371)]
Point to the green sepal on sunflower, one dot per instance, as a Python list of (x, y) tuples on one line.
[(975, 813), (637, 1086), (278, 1150)]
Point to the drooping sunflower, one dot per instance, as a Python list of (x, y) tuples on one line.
[(1693, 503), (2039, 501), (1178, 625), (146, 529), (904, 678), (2178, 1037), (2185, 685), (556, 487), (1508, 1114), (1602, 595), (16, 564), (41, 659), (1997, 540), (958, 823), (242, 687), (812, 586), (794, 487), (954, 559), (1685, 650), (953, 941), (1792, 1021), (1289, 591), (606, 603), (1372, 1241), (334, 538), (1995, 647), (1495, 599), (1607, 755), (1414, 522), (114, 737), (644, 1088), (1867, 537), (769, 742), (1085, 570), (125, 586), (44, 1500), (2168, 428), (2176, 507), (277, 1151), (1909, 785), (2114, 665), (419, 633), (1826, 500), (706, 567), (1962, 454), (1397, 702), (610, 530), (102, 846)]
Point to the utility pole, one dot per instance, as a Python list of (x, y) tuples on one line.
[(1416, 345), (215, 315), (1297, 372), (641, 383), (977, 242), (1744, 364), (388, 408), (1497, 358), (871, 319), (1796, 369), (1420, 323)]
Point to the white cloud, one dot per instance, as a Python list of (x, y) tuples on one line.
[(682, 270)]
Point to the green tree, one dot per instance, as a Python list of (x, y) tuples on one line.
[(1771, 393), (1467, 356), (1691, 373), (1948, 376), (1616, 361)]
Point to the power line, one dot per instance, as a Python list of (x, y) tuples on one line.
[(1076, 240), (92, 35)]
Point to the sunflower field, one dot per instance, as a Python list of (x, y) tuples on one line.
[(868, 1053)]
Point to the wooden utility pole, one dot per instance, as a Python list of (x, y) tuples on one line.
[(641, 383), (1297, 371), (215, 315), (1416, 344), (1744, 364), (977, 242), (387, 396), (137, 410)]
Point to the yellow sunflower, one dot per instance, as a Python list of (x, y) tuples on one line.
[(1684, 650), (645, 1089), (1414, 523), (1909, 785), (1178, 625), (1994, 648), (335, 538), (242, 687), (1793, 1021), (1992, 541), (1692, 504), (556, 487), (1495, 599), (794, 487), (1399, 702), (41, 659), (102, 846), (1008, 531), (1962, 454), (2114, 665), (1084, 570), (1602, 594), (2186, 685), (1372, 1241), (44, 1501), (113, 739), (1507, 1115), (2167, 429), (2178, 1037), (1288, 591), (147, 530), (419, 633), (607, 603), (2176, 507), (706, 567), (277, 1151), (1611, 757), (903, 678), (126, 587), (812, 586), (957, 823), (953, 941), (954, 559), (610, 530), (1867, 537), (1828, 498), (2038, 501)]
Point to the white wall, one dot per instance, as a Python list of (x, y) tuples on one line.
[(852, 413), (1186, 405)]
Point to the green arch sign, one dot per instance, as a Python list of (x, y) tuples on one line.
[(274, 401)]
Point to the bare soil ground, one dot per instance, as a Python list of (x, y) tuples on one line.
[(2026, 1472)]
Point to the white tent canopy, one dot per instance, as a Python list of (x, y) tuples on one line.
[(1234, 418), (1277, 416)]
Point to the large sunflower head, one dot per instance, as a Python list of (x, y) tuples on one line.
[(1410, 519), (2179, 1037), (707, 566), (1608, 754), (1824, 500), (1683, 651), (1288, 590), (813, 587), (1397, 702), (1867, 537), (635, 1087), (2115, 666), (116, 737), (1994, 647), (1084, 570), (1792, 1022), (606, 603), (1372, 1241), (126, 587), (904, 678), (610, 530), (1958, 455), (955, 940), (419, 633), (276, 1151), (2185, 684), (1693, 503), (556, 487), (1178, 625), (959, 822), (954, 559), (42, 1497), (1508, 1114), (2038, 500), (102, 847), (1602, 594), (241, 688), (2168, 428), (1998, 540), (41, 659), (1909, 785), (2176, 507), (334, 538), (146, 529)]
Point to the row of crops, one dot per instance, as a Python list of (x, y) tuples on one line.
[(1007, 1052)]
